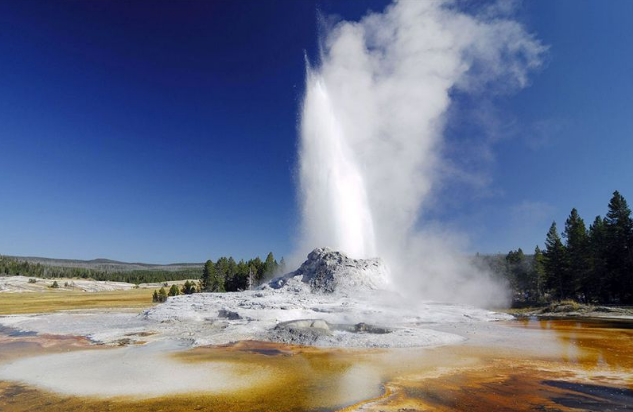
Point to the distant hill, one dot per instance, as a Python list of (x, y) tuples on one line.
[(107, 265)]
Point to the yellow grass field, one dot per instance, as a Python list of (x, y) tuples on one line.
[(53, 301)]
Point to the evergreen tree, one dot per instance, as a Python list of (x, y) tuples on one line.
[(599, 283), (522, 278), (539, 272), (242, 275), (619, 230), (554, 264), (162, 294), (222, 273), (231, 267), (238, 276), (155, 296), (578, 263), (189, 288), (208, 276), (270, 266), (259, 265), (174, 291)]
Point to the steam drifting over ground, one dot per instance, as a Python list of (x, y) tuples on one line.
[(371, 134)]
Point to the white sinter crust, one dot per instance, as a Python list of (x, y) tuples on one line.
[(331, 300)]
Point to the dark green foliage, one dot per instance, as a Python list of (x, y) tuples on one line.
[(174, 291), (619, 251), (189, 287), (162, 295), (13, 267), (599, 282), (538, 268), (522, 277), (209, 276), (259, 265), (237, 277), (55, 285), (270, 266), (214, 275), (578, 264), (554, 263), (232, 276), (595, 265)]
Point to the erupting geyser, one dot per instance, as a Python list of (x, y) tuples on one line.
[(371, 132), (334, 188)]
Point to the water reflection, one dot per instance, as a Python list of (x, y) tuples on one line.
[(529, 364), (590, 343)]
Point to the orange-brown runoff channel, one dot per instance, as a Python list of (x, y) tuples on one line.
[(547, 365)]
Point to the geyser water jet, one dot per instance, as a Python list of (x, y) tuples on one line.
[(372, 121), (333, 186)]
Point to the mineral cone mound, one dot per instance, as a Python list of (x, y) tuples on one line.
[(329, 271)]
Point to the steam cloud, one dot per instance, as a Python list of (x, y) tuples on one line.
[(371, 133)]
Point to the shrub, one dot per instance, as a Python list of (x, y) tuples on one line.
[(174, 291), (159, 296)]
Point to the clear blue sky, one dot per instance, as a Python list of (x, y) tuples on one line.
[(166, 131)]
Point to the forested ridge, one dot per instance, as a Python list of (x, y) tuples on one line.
[(226, 274), (10, 266)]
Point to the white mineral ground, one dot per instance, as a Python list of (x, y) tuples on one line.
[(330, 301), (22, 284)]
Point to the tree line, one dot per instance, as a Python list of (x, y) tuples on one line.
[(589, 264), (14, 267), (226, 275)]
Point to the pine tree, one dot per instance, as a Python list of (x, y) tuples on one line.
[(599, 284), (189, 288), (554, 264), (578, 262), (174, 291), (222, 273), (259, 266), (270, 266), (162, 294), (238, 273), (155, 296), (208, 276), (512, 267), (619, 230), (539, 272)]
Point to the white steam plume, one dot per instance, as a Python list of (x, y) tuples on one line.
[(371, 133)]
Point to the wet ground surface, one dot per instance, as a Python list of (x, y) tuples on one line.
[(523, 365)]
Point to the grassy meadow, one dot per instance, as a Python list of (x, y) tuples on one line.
[(53, 301)]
